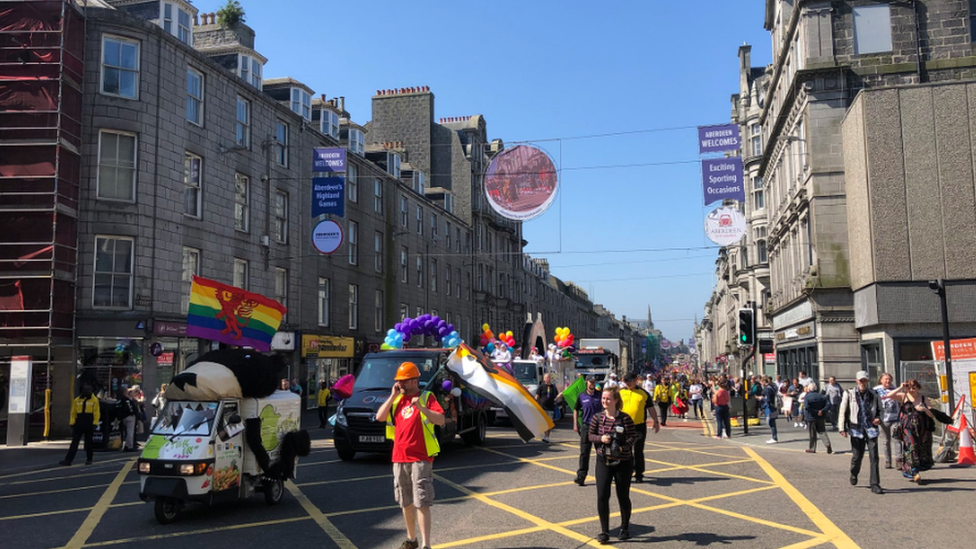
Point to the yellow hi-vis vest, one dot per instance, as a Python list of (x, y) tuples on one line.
[(430, 441)]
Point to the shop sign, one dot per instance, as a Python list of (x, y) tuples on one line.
[(804, 331), (165, 359), (310, 346), (328, 346), (283, 341), (163, 328)]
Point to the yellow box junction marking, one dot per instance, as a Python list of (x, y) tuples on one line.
[(98, 511), (319, 517)]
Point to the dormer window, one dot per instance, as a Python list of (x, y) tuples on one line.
[(301, 103), (393, 164), (449, 203), (249, 69), (419, 183), (176, 21), (357, 141), (330, 123)]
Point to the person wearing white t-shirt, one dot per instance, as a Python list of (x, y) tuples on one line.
[(696, 398), (649, 384), (612, 382)]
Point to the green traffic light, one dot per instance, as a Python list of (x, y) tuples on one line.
[(744, 338)]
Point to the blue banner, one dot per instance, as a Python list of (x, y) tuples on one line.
[(328, 196), (713, 139), (328, 160), (722, 179)]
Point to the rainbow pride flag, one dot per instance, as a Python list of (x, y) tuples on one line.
[(231, 315)]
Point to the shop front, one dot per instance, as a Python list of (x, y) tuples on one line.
[(327, 358), (796, 351)]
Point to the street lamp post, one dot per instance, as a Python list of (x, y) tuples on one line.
[(938, 286)]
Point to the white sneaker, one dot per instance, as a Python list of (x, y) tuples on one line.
[(804, 425), (772, 441), (725, 436), (545, 439), (796, 424)]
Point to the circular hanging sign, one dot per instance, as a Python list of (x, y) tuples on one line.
[(327, 236), (665, 344), (521, 182), (156, 349), (725, 226)]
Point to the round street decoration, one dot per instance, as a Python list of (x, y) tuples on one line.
[(327, 236), (725, 226), (521, 182)]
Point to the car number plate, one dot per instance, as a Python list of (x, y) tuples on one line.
[(371, 439)]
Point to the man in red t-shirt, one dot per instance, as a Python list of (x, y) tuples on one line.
[(412, 416)]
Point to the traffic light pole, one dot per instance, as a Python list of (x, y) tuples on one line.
[(745, 383)]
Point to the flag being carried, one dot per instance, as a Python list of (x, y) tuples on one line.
[(485, 379), (231, 315)]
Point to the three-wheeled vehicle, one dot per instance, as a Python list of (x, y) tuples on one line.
[(200, 451)]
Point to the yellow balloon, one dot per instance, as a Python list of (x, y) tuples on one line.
[(509, 333), (485, 327)]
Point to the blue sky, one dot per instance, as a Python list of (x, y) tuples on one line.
[(548, 70)]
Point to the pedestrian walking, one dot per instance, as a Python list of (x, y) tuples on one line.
[(159, 401), (834, 393), (662, 397), (860, 411), (889, 416), (697, 393), (588, 404), (816, 408), (649, 384), (85, 416), (410, 415), (323, 401), (127, 412), (723, 421), (793, 391), (769, 399), (614, 434), (637, 404), (916, 423), (546, 396)]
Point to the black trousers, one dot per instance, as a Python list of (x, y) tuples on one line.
[(639, 449), (663, 409), (77, 431), (818, 428), (323, 415), (620, 475), (857, 450), (585, 448)]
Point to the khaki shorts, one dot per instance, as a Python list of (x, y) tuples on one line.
[(413, 483)]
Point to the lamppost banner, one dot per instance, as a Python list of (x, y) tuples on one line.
[(328, 160), (328, 196), (721, 138), (722, 180)]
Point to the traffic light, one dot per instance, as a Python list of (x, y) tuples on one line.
[(747, 327)]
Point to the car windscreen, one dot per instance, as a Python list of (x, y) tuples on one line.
[(186, 418), (378, 371), (591, 361), (525, 372)]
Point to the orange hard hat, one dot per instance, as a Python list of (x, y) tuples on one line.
[(407, 370)]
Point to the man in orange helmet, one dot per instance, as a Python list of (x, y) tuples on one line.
[(410, 417)]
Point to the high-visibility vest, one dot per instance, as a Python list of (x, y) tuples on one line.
[(430, 441)]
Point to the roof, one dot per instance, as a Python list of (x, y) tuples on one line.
[(286, 82)]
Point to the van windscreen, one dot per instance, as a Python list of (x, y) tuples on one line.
[(525, 373), (378, 371)]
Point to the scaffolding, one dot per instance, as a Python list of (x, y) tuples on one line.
[(42, 45)]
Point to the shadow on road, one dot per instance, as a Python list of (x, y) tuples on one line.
[(700, 539), (671, 481)]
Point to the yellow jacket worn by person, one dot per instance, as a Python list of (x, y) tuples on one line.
[(85, 411), (323, 397), (662, 393), (634, 404)]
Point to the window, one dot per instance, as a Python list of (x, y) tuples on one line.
[(378, 252), (457, 282), (240, 273), (419, 184), (281, 286), (194, 96), (433, 275), (191, 266), (185, 34), (404, 311), (457, 240), (420, 272), (433, 226), (403, 211), (192, 180), (168, 18), (352, 183), (256, 79), (301, 103), (403, 264), (378, 324), (756, 140), (356, 141), (330, 123), (243, 136), (281, 142), (760, 238), (972, 21), (872, 29), (244, 65), (758, 194), (378, 196), (353, 246), (242, 196), (447, 280), (323, 301), (481, 277), (420, 220), (420, 311), (393, 164), (249, 69), (449, 203), (353, 306), (120, 67), (116, 166), (279, 221), (113, 273)]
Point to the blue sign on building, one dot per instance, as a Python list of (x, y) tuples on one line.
[(328, 160), (328, 196), (722, 179), (714, 139)]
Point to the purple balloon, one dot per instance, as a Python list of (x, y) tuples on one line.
[(442, 331), (398, 327), (447, 385), (428, 324), (406, 338), (450, 328)]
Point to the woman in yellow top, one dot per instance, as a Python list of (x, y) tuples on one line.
[(662, 397), (324, 395)]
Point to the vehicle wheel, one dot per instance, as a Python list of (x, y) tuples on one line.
[(476, 437), (273, 490), (345, 452), (167, 509)]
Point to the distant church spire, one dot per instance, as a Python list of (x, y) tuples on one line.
[(650, 321)]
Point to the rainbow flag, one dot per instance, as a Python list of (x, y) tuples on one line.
[(485, 379), (231, 315)]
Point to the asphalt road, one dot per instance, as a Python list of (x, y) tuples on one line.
[(701, 493)]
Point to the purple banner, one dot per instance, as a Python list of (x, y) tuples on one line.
[(722, 179), (328, 160), (713, 139)]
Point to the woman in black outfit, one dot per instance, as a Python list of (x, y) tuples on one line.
[(613, 433)]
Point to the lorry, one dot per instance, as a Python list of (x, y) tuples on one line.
[(357, 429), (601, 357)]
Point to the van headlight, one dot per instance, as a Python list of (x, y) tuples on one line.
[(190, 469), (145, 467), (341, 418)]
